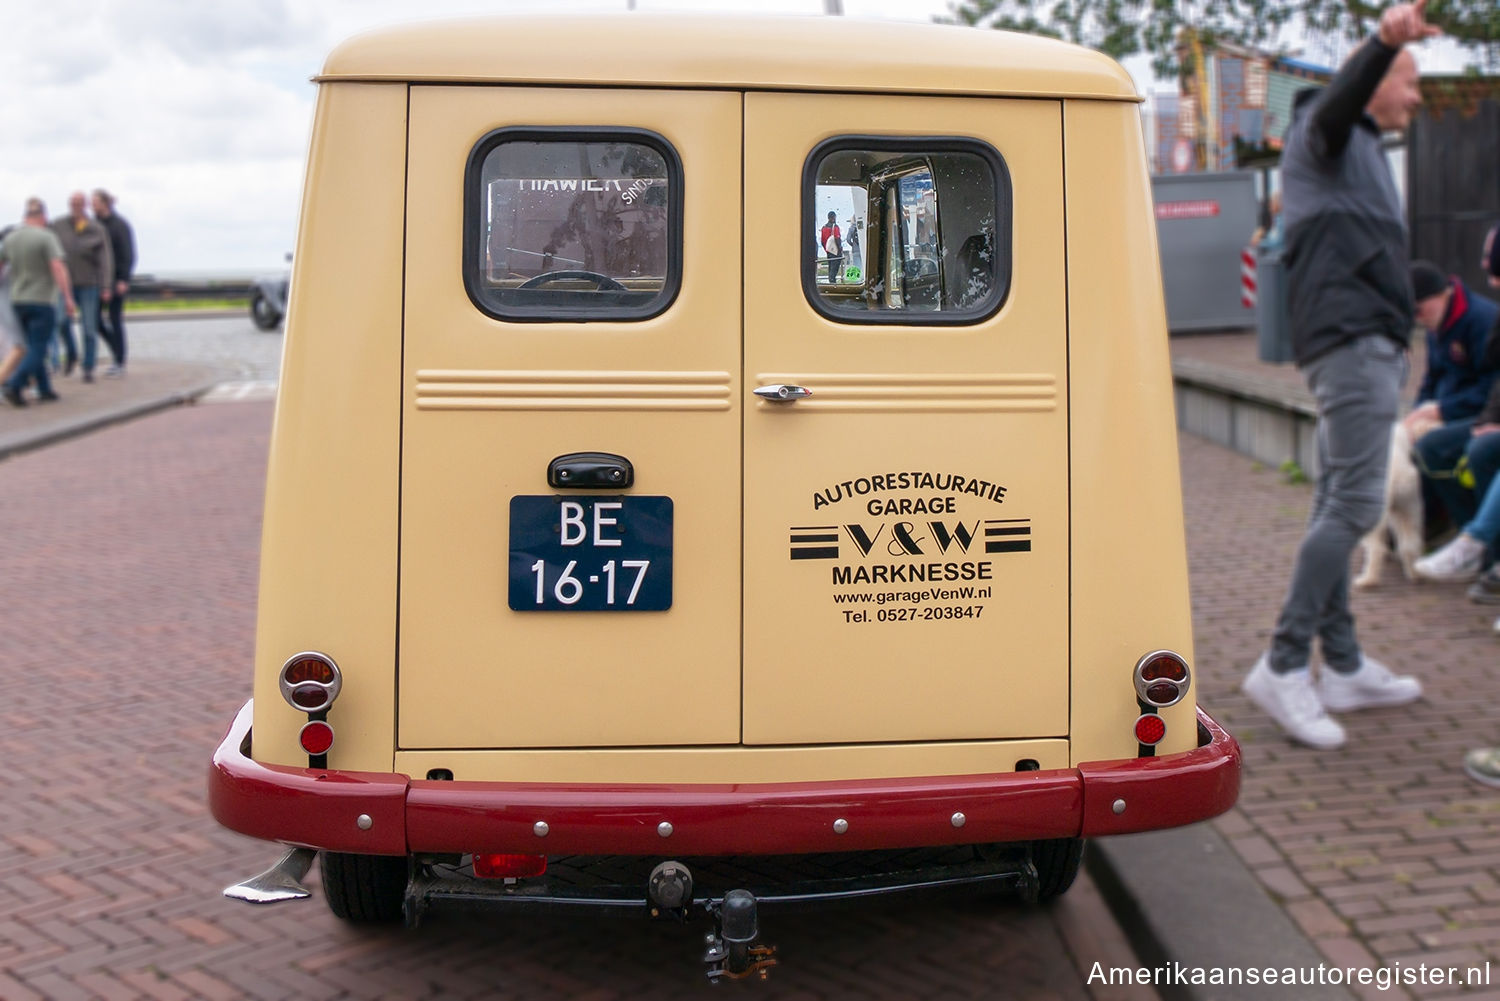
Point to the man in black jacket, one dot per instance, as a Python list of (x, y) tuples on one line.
[(1350, 305), (122, 241)]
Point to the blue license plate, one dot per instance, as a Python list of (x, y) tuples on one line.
[(590, 554)]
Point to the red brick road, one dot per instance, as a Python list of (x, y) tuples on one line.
[(1382, 851), (130, 575)]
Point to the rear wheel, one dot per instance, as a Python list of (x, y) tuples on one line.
[(364, 888), (262, 312), (1056, 865)]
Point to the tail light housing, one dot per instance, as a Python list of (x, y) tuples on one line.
[(310, 682), (1161, 679)]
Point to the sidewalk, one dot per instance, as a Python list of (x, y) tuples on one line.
[(1235, 356), (150, 385), (1380, 853)]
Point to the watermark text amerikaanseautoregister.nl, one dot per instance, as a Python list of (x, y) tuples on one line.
[(1383, 978)]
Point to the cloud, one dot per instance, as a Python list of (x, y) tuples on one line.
[(196, 113)]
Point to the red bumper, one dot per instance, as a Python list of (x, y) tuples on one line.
[(387, 814)]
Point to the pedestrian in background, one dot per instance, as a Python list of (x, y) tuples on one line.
[(91, 268), (12, 340), (1350, 304), (122, 244), (34, 258), (1459, 374), (832, 243)]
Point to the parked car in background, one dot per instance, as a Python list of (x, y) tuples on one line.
[(268, 296)]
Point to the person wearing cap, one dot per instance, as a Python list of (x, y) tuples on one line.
[(35, 260), (1458, 322), (1350, 308)]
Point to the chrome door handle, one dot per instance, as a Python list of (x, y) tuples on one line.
[(783, 394)]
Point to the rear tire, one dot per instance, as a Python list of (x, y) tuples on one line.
[(263, 314), (364, 888), (1056, 864)]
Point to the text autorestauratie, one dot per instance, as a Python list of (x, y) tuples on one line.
[(1381, 977)]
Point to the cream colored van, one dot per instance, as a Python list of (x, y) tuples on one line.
[(704, 437)]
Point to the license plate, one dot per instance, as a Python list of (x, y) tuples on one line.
[(590, 554)]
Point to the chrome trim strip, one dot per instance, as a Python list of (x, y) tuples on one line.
[(473, 389)]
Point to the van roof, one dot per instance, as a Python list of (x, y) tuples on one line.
[(730, 51)]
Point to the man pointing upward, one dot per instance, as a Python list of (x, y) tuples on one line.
[(1351, 311)]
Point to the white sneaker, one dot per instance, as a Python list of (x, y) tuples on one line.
[(1371, 686), (1460, 560), (1291, 701)]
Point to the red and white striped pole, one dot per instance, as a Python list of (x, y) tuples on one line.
[(1247, 278)]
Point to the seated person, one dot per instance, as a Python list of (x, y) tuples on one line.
[(1474, 545), (1458, 379)]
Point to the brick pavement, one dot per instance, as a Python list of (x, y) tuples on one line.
[(1381, 851), (130, 562)]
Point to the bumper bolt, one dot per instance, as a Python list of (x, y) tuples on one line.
[(664, 829), (959, 820), (363, 822), (840, 826), (540, 828), (1119, 806)]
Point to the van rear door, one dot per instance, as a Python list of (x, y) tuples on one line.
[(906, 526), (578, 293)]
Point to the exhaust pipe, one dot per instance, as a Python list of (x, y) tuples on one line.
[(283, 881)]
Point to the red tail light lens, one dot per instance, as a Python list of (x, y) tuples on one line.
[(309, 669), (1164, 668), (509, 866), (1150, 729), (316, 737), (1163, 693), (310, 682)]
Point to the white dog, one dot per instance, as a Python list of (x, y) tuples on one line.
[(1403, 510)]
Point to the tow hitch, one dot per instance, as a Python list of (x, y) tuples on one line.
[(732, 950)]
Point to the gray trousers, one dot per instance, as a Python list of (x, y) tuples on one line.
[(1358, 389)]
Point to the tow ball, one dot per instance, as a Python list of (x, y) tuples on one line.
[(733, 953)]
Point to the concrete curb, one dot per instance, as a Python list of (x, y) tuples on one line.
[(1184, 897), (151, 315), (104, 418)]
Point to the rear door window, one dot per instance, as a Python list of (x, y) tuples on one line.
[(568, 224), (906, 231)]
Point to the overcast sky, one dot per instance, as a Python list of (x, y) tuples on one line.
[(195, 113)]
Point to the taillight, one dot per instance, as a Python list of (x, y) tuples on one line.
[(509, 866), (310, 682), (316, 737), (1150, 729), (1161, 679)]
